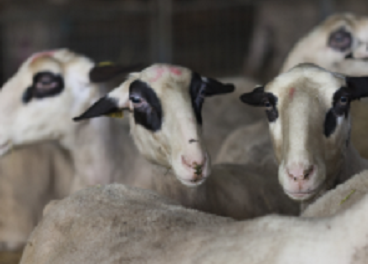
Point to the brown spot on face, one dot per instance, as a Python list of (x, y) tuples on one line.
[(193, 141), (291, 93)]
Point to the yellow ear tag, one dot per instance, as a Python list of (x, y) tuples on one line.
[(105, 63), (119, 114)]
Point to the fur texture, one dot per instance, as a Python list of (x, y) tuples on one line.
[(117, 224), (341, 198), (29, 178)]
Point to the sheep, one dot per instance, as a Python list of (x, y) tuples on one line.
[(38, 103), (337, 44), (120, 224), (153, 97), (309, 123), (29, 178), (340, 198), (101, 149)]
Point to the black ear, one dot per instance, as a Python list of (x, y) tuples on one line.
[(214, 87), (45, 84), (256, 97), (104, 106), (105, 71), (357, 86)]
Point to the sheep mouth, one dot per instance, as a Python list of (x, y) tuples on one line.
[(301, 195), (5, 147), (192, 183)]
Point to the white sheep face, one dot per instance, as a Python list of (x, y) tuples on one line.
[(308, 110), (165, 103), (340, 39), (38, 102)]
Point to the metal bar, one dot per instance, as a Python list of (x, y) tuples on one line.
[(165, 30)]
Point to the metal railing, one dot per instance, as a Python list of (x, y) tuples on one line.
[(209, 36)]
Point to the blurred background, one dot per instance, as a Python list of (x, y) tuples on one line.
[(214, 37)]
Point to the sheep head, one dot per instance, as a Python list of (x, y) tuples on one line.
[(309, 121), (340, 39), (165, 103), (37, 103)]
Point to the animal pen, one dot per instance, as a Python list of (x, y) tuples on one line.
[(211, 38)]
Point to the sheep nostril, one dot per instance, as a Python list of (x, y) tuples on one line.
[(300, 173), (308, 172)]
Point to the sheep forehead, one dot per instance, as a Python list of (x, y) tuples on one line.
[(165, 78), (357, 25), (70, 65), (45, 63), (312, 79), (318, 37), (336, 21)]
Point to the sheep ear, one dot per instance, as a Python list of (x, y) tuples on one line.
[(358, 87), (105, 71), (111, 105), (214, 87), (254, 98), (104, 106)]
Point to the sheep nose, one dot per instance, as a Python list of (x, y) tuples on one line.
[(300, 173), (196, 166)]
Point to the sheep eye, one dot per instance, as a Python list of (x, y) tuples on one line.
[(340, 40), (267, 104), (343, 100), (135, 100)]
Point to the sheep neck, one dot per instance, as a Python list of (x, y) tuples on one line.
[(164, 181), (92, 150), (353, 163)]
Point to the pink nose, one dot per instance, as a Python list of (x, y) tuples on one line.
[(300, 173), (196, 166)]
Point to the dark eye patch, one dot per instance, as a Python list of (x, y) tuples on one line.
[(340, 107), (340, 40), (149, 115), (45, 84), (197, 92)]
